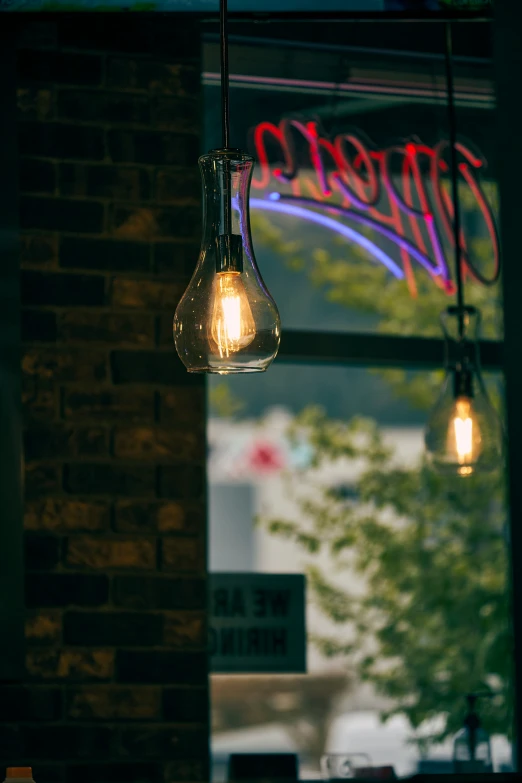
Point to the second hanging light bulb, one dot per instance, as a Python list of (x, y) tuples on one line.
[(464, 433), (464, 440)]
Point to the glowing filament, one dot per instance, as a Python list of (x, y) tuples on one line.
[(464, 436), (233, 326)]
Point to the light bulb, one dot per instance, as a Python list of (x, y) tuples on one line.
[(464, 439), (232, 326), (464, 433), (226, 321)]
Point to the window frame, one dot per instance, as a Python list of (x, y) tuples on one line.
[(376, 350), (422, 353)]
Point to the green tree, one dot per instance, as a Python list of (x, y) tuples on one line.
[(432, 621)]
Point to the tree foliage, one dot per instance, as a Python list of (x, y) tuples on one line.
[(431, 623)]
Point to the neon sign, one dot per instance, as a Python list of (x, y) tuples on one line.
[(400, 193)]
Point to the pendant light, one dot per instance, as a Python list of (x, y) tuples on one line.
[(226, 322), (463, 434)]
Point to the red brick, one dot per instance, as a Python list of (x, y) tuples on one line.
[(152, 367), (162, 667), (152, 147), (110, 478), (102, 33), (43, 627), (59, 67), (185, 630), (37, 176), (58, 140), (90, 441), (161, 742), (152, 592), (109, 702), (38, 325), (104, 254), (189, 771), (182, 554), (130, 405), (146, 294), (48, 288), (61, 589), (68, 389), (164, 330), (182, 482), (65, 365), (158, 77), (61, 214), (62, 742), (95, 106), (19, 704), (178, 186), (191, 518), (138, 517), (59, 442), (158, 444), (35, 35), (185, 705), (176, 222), (181, 115), (112, 629), (177, 259), (62, 515), (97, 553), (39, 250), (41, 552), (127, 772), (35, 103), (183, 408), (82, 326), (100, 181), (136, 223), (41, 480), (47, 664), (39, 400)]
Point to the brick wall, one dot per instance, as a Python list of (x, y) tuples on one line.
[(116, 685)]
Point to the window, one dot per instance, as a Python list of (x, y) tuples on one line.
[(351, 197), (407, 573)]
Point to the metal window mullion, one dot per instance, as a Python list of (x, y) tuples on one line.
[(374, 350)]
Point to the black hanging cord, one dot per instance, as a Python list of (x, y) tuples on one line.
[(452, 122), (229, 257), (225, 91)]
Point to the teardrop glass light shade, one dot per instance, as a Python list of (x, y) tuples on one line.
[(226, 321), (464, 433)]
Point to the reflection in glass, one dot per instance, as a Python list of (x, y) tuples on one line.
[(338, 766), (407, 570), (472, 747)]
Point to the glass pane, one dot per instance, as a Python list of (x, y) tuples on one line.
[(320, 471), (351, 197)]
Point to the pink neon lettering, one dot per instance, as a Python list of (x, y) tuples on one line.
[(348, 173)]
